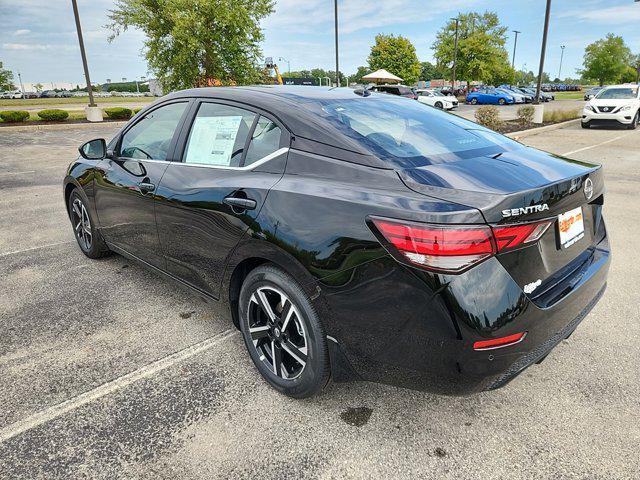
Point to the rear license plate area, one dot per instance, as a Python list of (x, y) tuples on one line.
[(570, 227)]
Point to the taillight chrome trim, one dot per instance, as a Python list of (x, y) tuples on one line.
[(493, 344)]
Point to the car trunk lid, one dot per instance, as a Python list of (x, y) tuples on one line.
[(521, 186)]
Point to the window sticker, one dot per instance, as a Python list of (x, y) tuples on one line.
[(212, 140)]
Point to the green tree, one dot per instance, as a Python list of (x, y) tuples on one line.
[(397, 55), (481, 48), (429, 71), (194, 42), (357, 77), (6, 79), (606, 60)]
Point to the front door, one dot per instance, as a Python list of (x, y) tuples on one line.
[(231, 157), (126, 183)]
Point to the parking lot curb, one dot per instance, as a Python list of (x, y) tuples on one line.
[(61, 126), (547, 128)]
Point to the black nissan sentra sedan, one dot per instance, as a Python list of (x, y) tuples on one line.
[(353, 235)]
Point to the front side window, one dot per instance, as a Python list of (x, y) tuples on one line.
[(218, 135), (150, 138)]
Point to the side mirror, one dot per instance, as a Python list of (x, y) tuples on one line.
[(94, 149)]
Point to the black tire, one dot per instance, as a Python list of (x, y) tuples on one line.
[(502, 101), (84, 227), (635, 121), (585, 124), (474, 101), (282, 370), (438, 105)]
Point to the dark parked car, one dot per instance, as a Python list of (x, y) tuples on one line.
[(49, 94), (399, 90), (353, 235)]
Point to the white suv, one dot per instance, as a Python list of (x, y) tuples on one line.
[(614, 105)]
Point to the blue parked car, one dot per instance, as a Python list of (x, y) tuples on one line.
[(490, 96)]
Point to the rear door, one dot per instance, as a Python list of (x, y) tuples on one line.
[(229, 157)]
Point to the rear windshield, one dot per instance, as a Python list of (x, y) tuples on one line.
[(618, 93), (409, 133)]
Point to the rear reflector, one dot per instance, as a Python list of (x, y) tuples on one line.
[(455, 248), (499, 342)]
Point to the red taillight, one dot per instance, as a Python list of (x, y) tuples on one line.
[(451, 249), (454, 249), (499, 342), (511, 237)]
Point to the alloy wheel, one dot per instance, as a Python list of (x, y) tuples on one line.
[(277, 332), (82, 224)]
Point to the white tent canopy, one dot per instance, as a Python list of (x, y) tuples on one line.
[(381, 76)]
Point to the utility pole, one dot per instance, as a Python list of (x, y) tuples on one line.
[(515, 44), (84, 56), (455, 57), (543, 52), (561, 58), (335, 5)]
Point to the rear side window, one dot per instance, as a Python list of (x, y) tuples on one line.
[(150, 138), (264, 141), (218, 135)]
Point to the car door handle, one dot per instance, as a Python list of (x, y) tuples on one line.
[(241, 203), (146, 187)]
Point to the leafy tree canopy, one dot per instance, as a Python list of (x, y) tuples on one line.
[(481, 48), (6, 79), (606, 60), (429, 71), (194, 42), (397, 55)]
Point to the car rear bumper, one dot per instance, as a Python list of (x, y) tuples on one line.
[(404, 327)]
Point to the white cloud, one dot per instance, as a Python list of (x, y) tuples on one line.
[(22, 31), (614, 15), (24, 46), (355, 15)]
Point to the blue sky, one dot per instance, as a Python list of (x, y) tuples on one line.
[(38, 37)]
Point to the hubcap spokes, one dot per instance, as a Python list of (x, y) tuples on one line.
[(277, 332), (82, 224)]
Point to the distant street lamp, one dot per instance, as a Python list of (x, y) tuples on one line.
[(82, 53), (280, 59), (455, 57), (561, 58), (21, 85), (515, 44)]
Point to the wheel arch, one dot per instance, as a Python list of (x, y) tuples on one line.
[(252, 253)]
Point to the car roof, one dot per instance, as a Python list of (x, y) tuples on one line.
[(286, 102)]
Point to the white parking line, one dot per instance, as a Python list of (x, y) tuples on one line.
[(17, 173), (67, 406), (14, 252), (597, 145)]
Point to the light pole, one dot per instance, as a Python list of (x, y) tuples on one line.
[(543, 52), (515, 44), (335, 9), (82, 53), (21, 85), (455, 57), (562, 47), (280, 59)]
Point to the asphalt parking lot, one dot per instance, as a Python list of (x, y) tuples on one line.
[(109, 371)]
